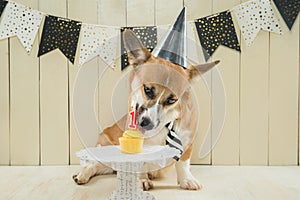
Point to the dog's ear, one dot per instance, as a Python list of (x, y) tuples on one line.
[(137, 53), (194, 71)]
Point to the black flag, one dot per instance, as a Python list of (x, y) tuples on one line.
[(148, 36), (60, 33), (289, 10), (217, 30), (2, 6)]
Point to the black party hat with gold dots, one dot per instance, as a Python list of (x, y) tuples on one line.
[(173, 46)]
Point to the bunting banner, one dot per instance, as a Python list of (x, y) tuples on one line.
[(148, 36), (216, 30), (255, 15), (2, 6), (23, 22), (98, 40), (60, 33), (289, 10)]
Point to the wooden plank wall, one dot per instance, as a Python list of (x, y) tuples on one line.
[(227, 149), (261, 83), (24, 102), (54, 98)]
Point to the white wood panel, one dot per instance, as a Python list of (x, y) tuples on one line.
[(254, 100), (85, 11), (202, 90), (197, 9), (284, 78), (112, 13), (24, 104), (226, 151), (167, 12), (54, 98), (138, 8), (35, 119), (4, 102)]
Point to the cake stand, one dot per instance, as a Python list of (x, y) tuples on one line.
[(129, 166)]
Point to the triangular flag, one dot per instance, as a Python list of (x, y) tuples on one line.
[(147, 35), (255, 15), (194, 46), (60, 33), (289, 10), (217, 30), (98, 40), (21, 21), (162, 30), (2, 6)]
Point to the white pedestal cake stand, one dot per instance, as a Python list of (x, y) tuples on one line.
[(129, 166)]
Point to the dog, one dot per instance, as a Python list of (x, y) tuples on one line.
[(161, 92)]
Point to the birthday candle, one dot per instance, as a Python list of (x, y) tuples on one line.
[(132, 121)]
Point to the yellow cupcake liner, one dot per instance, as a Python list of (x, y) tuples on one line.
[(131, 145)]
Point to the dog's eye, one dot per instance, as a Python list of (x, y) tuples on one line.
[(170, 101), (149, 92)]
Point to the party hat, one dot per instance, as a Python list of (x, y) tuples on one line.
[(173, 46)]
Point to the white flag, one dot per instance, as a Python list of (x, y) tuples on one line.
[(21, 21), (255, 15), (98, 40), (162, 30)]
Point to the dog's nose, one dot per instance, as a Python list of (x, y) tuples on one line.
[(146, 123)]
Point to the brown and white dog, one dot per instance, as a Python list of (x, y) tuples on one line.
[(161, 90)]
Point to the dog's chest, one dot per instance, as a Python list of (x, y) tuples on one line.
[(158, 139)]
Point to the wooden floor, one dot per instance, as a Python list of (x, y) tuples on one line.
[(219, 182)]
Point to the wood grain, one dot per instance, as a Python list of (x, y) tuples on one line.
[(283, 100), (202, 89), (136, 9), (166, 12), (24, 104), (262, 88), (254, 99), (109, 78), (54, 126), (4, 102), (246, 182), (85, 11), (226, 151)]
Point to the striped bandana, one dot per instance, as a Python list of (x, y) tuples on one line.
[(173, 140)]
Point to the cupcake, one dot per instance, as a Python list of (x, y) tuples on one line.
[(131, 142)]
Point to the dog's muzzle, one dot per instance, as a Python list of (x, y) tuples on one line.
[(146, 123)]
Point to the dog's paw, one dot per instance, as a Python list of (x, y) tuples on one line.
[(80, 178), (190, 184), (153, 175), (146, 184)]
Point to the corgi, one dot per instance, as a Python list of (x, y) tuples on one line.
[(161, 92)]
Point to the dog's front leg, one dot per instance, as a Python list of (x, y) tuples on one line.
[(109, 136), (184, 175), (93, 168)]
